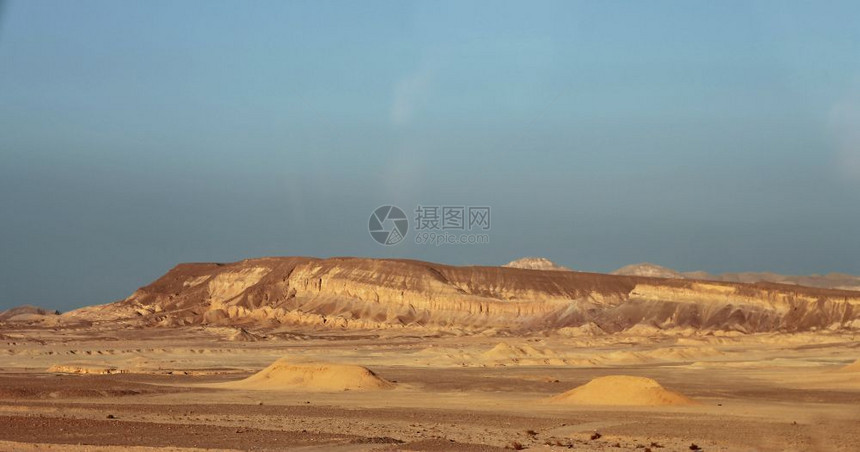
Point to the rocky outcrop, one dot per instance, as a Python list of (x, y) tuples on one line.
[(536, 263), (648, 269), (385, 293)]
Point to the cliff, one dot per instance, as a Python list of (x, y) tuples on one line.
[(382, 293)]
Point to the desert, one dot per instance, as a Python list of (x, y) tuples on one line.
[(442, 226), (377, 354)]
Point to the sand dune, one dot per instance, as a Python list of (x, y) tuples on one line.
[(622, 390), (286, 375)]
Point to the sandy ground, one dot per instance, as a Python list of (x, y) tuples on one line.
[(169, 389)]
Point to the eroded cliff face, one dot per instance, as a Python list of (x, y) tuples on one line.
[(379, 293)]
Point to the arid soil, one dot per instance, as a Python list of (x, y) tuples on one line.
[(172, 387)]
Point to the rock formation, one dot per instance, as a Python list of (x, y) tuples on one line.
[(648, 269), (535, 263), (829, 281), (386, 293)]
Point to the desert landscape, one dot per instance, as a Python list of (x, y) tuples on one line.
[(353, 354), (359, 226)]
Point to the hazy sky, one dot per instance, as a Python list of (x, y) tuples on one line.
[(721, 136)]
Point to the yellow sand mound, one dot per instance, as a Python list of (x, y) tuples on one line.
[(291, 376), (621, 390)]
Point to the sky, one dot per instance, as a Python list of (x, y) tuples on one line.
[(717, 136)]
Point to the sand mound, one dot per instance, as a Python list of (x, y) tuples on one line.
[(291, 376), (505, 351), (621, 390)]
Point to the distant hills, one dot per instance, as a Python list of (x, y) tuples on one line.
[(26, 312), (648, 269), (535, 263), (829, 281)]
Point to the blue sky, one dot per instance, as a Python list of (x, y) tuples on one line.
[(717, 136)]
